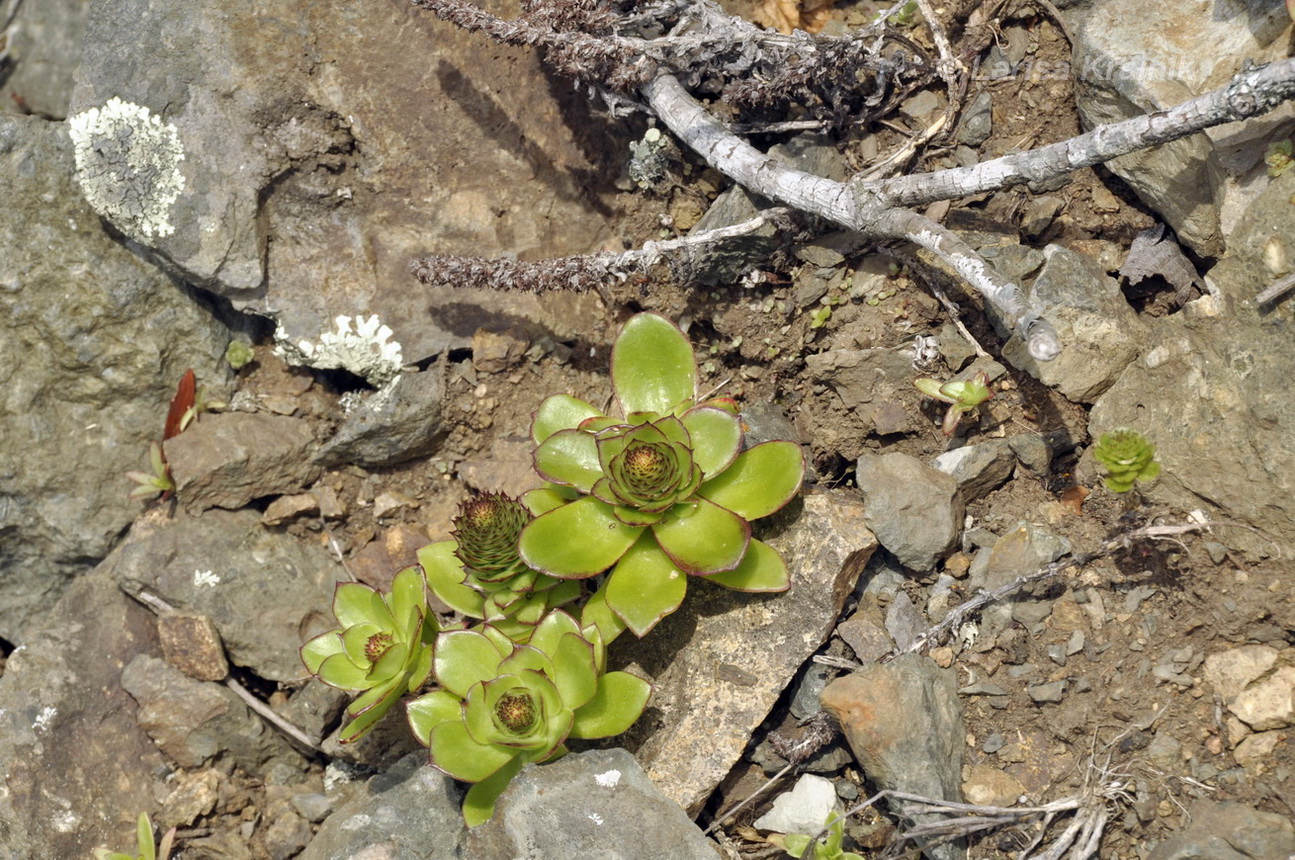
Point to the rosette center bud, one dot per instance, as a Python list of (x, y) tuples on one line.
[(516, 712), (377, 645), (647, 464)]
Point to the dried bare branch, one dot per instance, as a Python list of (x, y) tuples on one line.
[(959, 614)]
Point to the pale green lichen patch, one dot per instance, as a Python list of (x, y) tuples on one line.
[(362, 346), (128, 166)]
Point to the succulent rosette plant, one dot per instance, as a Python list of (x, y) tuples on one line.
[(1128, 457), (502, 704), (660, 494), (479, 573), (382, 650)]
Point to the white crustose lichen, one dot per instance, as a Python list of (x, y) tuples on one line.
[(128, 166)]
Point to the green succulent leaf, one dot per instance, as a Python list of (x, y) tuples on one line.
[(544, 499), (574, 672), (408, 600), (341, 672), (645, 586), (701, 537), (479, 802), (549, 632), (652, 366), (354, 603), (569, 457), (716, 438), (577, 540), (430, 710), (319, 649), (598, 615), (761, 480), (370, 707), (762, 570), (452, 750), (932, 388), (619, 701), (1128, 457), (445, 577), (560, 412), (463, 658)]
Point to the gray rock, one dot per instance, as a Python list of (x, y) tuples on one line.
[(391, 426), (1229, 831), (410, 812), (193, 722), (915, 511), (77, 769), (1268, 703), (1100, 334), (229, 459), (1127, 68), (865, 631), (979, 469), (92, 341), (864, 379), (265, 590), (1033, 451), (914, 741), (595, 804), (1039, 213), (1023, 550), (804, 699), (977, 120), (1203, 394), (354, 180), (715, 649), (44, 46), (1049, 693)]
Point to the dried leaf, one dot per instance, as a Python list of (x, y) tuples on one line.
[(1152, 254), (1072, 498), (180, 404)]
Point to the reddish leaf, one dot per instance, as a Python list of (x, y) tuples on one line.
[(1073, 499), (181, 403)]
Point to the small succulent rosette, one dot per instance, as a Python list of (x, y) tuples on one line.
[(1128, 457), (663, 493), (382, 650), (502, 705), (480, 575)]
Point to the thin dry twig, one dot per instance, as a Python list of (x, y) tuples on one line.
[(262, 710), (959, 614)]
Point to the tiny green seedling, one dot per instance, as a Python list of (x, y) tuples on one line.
[(963, 396), (826, 848), (157, 481), (1278, 158), (1128, 458), (147, 849)]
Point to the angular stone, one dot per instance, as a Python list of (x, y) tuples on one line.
[(286, 508), (989, 786), (864, 379), (1229, 831), (979, 469), (1268, 703), (716, 677), (191, 643), (594, 804), (93, 340), (410, 812), (904, 723), (227, 460), (45, 40), (194, 722), (264, 590), (915, 511), (391, 426), (1099, 332), (1231, 671), (1199, 184), (77, 769)]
